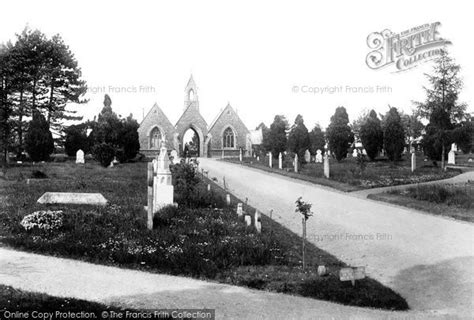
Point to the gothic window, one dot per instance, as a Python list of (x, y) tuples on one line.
[(155, 138), (191, 95), (228, 138)]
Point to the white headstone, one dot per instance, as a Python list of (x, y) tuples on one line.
[(322, 271), (364, 152), (326, 166), (240, 154), (258, 221), (280, 161), (451, 157), (307, 156), (258, 158), (240, 210), (227, 199), (354, 153), (319, 156), (163, 190), (454, 147), (248, 220), (413, 162), (270, 160), (80, 156), (296, 162)]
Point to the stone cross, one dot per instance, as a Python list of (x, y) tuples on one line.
[(270, 160), (80, 156), (451, 157), (296, 163), (280, 161), (319, 156), (326, 166), (413, 162)]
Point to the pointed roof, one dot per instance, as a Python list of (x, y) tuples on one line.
[(191, 82), (160, 112), (219, 115)]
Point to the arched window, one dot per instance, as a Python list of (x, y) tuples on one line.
[(191, 95), (228, 138), (155, 138)]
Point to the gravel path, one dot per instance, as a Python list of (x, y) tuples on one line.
[(142, 290), (427, 259)]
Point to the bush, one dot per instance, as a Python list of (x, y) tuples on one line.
[(394, 136), (104, 153), (43, 220), (39, 140), (371, 135), (339, 134)]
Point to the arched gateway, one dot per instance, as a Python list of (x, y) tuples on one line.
[(227, 133)]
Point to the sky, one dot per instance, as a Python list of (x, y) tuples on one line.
[(262, 57)]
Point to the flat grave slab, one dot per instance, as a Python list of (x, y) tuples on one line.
[(96, 199)]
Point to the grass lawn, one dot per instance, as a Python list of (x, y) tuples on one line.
[(202, 238), (452, 200), (347, 175)]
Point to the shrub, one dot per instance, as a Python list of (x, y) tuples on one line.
[(339, 134), (104, 153), (394, 136), (43, 220), (371, 135), (37, 174), (39, 140)]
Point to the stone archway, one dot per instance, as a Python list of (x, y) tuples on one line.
[(202, 149)]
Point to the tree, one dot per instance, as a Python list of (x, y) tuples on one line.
[(463, 136), (305, 210), (371, 135), (316, 139), (76, 138), (393, 136), (442, 108), (339, 133), (298, 138), (39, 140), (6, 108), (438, 136), (275, 140), (412, 126), (129, 138), (446, 86)]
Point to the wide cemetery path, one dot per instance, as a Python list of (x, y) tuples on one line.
[(150, 291), (425, 258)]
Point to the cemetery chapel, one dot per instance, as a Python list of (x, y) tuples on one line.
[(226, 135)]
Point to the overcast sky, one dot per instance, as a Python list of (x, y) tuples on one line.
[(249, 53)]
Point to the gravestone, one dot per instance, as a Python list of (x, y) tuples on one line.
[(258, 221), (248, 220), (307, 156), (364, 152), (454, 147), (413, 162), (322, 271), (258, 158), (222, 154), (451, 157), (240, 210), (280, 161), (163, 190), (240, 154), (319, 156), (326, 166), (80, 156), (354, 153), (174, 156), (296, 163), (208, 187), (227, 199), (96, 199), (270, 160)]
